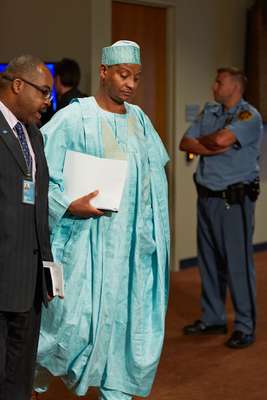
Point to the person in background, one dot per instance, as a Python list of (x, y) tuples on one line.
[(67, 79), (227, 137)]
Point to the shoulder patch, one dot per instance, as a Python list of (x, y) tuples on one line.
[(244, 115)]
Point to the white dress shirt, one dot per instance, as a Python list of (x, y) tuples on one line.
[(12, 121)]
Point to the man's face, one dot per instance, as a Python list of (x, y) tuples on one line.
[(224, 87), (121, 81), (31, 101)]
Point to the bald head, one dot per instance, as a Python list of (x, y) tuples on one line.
[(25, 66), (25, 87)]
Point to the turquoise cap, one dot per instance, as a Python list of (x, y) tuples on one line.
[(121, 52)]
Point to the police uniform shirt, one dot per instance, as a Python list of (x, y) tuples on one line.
[(240, 162)]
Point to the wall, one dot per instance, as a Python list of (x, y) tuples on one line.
[(51, 29), (206, 35)]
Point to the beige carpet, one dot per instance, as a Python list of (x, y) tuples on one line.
[(202, 368)]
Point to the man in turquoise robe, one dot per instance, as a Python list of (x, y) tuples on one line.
[(108, 331)]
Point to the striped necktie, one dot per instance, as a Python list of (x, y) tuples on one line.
[(24, 145)]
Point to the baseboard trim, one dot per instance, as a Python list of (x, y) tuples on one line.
[(260, 247), (192, 262), (188, 263)]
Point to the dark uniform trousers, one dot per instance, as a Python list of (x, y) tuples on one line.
[(226, 260)]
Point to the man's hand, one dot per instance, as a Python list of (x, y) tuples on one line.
[(50, 297), (82, 207)]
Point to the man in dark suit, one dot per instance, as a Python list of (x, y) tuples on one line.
[(25, 92)]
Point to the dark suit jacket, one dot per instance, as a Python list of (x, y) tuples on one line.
[(24, 235)]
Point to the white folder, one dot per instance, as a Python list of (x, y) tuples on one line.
[(56, 273), (84, 174)]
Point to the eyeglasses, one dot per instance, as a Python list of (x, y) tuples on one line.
[(46, 91)]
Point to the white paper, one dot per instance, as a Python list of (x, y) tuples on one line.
[(56, 272), (84, 174)]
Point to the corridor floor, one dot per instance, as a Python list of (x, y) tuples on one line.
[(202, 368)]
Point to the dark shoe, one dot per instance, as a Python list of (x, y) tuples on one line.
[(239, 340), (200, 328)]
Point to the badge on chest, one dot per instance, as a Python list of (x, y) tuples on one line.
[(28, 191)]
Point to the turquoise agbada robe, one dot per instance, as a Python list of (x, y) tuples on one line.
[(109, 329)]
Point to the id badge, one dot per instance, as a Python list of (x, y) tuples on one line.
[(28, 191)]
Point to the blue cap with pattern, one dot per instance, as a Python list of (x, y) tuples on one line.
[(121, 52)]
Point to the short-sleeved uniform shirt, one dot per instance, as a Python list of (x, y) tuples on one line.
[(240, 162)]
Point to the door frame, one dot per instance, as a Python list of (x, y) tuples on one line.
[(101, 35)]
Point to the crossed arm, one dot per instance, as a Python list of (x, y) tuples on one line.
[(211, 144)]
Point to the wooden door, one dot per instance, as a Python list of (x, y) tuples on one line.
[(146, 25)]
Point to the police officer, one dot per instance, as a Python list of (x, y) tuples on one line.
[(226, 136)]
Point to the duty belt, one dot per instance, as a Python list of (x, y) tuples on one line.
[(233, 194)]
